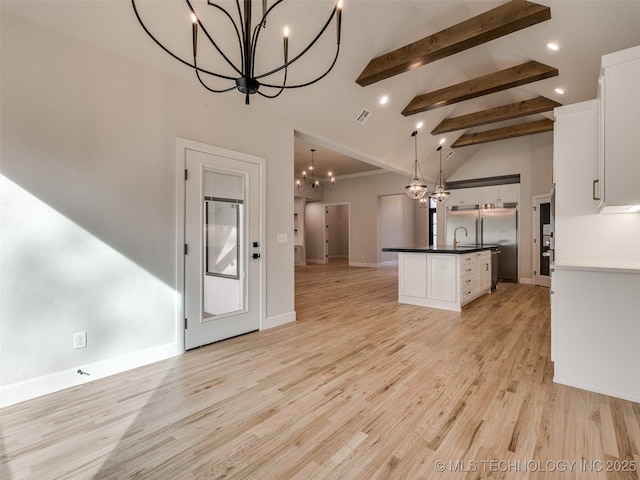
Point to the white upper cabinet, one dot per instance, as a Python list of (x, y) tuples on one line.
[(468, 197), (500, 194), (619, 149), (575, 158), (463, 197)]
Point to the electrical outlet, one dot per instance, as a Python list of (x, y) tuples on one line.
[(80, 340)]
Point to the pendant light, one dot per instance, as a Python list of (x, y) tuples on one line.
[(417, 188), (440, 194)]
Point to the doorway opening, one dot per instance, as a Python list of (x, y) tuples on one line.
[(542, 240), (336, 232)]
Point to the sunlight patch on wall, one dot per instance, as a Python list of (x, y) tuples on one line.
[(58, 279)]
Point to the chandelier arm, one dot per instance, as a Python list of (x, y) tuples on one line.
[(212, 89), (256, 32), (204, 30), (326, 25), (307, 83), (281, 88), (144, 27), (241, 33)]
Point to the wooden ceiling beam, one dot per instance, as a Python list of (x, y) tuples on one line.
[(498, 114), (494, 82), (530, 128), (500, 21)]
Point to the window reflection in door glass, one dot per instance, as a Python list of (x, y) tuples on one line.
[(224, 244)]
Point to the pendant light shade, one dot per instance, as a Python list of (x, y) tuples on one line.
[(440, 194), (417, 188)]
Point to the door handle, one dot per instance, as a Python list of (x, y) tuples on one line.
[(593, 192)]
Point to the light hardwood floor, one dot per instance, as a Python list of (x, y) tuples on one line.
[(358, 388)]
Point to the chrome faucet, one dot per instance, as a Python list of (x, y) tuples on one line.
[(455, 236)]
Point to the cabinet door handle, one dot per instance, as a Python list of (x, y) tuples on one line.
[(594, 189)]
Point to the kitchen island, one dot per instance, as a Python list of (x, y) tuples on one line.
[(442, 277)]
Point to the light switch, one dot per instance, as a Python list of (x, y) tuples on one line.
[(283, 238)]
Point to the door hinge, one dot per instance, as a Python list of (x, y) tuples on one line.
[(534, 209), (185, 323), (186, 249), (186, 174)]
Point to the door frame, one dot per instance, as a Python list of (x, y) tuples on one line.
[(325, 239), (536, 240), (182, 145)]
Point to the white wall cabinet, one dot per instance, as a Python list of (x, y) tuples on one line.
[(461, 197), (619, 157), (499, 194), (575, 159), (464, 197)]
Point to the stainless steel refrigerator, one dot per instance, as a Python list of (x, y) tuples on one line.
[(488, 225)]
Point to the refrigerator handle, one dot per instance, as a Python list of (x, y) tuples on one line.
[(477, 238), (481, 231)]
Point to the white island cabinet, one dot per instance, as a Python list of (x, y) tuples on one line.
[(445, 278)]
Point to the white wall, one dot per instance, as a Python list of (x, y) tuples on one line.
[(532, 158), (89, 200), (396, 223), (362, 195)]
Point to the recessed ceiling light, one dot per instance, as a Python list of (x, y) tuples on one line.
[(559, 91), (442, 140), (419, 125), (553, 46), (384, 100)]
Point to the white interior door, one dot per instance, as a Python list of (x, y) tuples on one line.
[(542, 232), (223, 245)]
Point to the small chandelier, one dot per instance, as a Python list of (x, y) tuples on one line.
[(416, 188), (440, 194), (240, 71), (312, 182), (424, 202)]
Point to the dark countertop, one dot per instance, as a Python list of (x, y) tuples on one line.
[(443, 249)]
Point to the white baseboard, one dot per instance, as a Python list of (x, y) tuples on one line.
[(318, 262), (388, 263), (278, 320), (632, 397), (362, 264), (36, 387), (526, 280)]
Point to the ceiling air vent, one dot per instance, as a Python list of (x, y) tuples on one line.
[(363, 117)]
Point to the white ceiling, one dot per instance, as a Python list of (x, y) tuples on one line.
[(324, 114)]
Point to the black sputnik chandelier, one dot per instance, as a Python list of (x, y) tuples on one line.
[(241, 63)]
